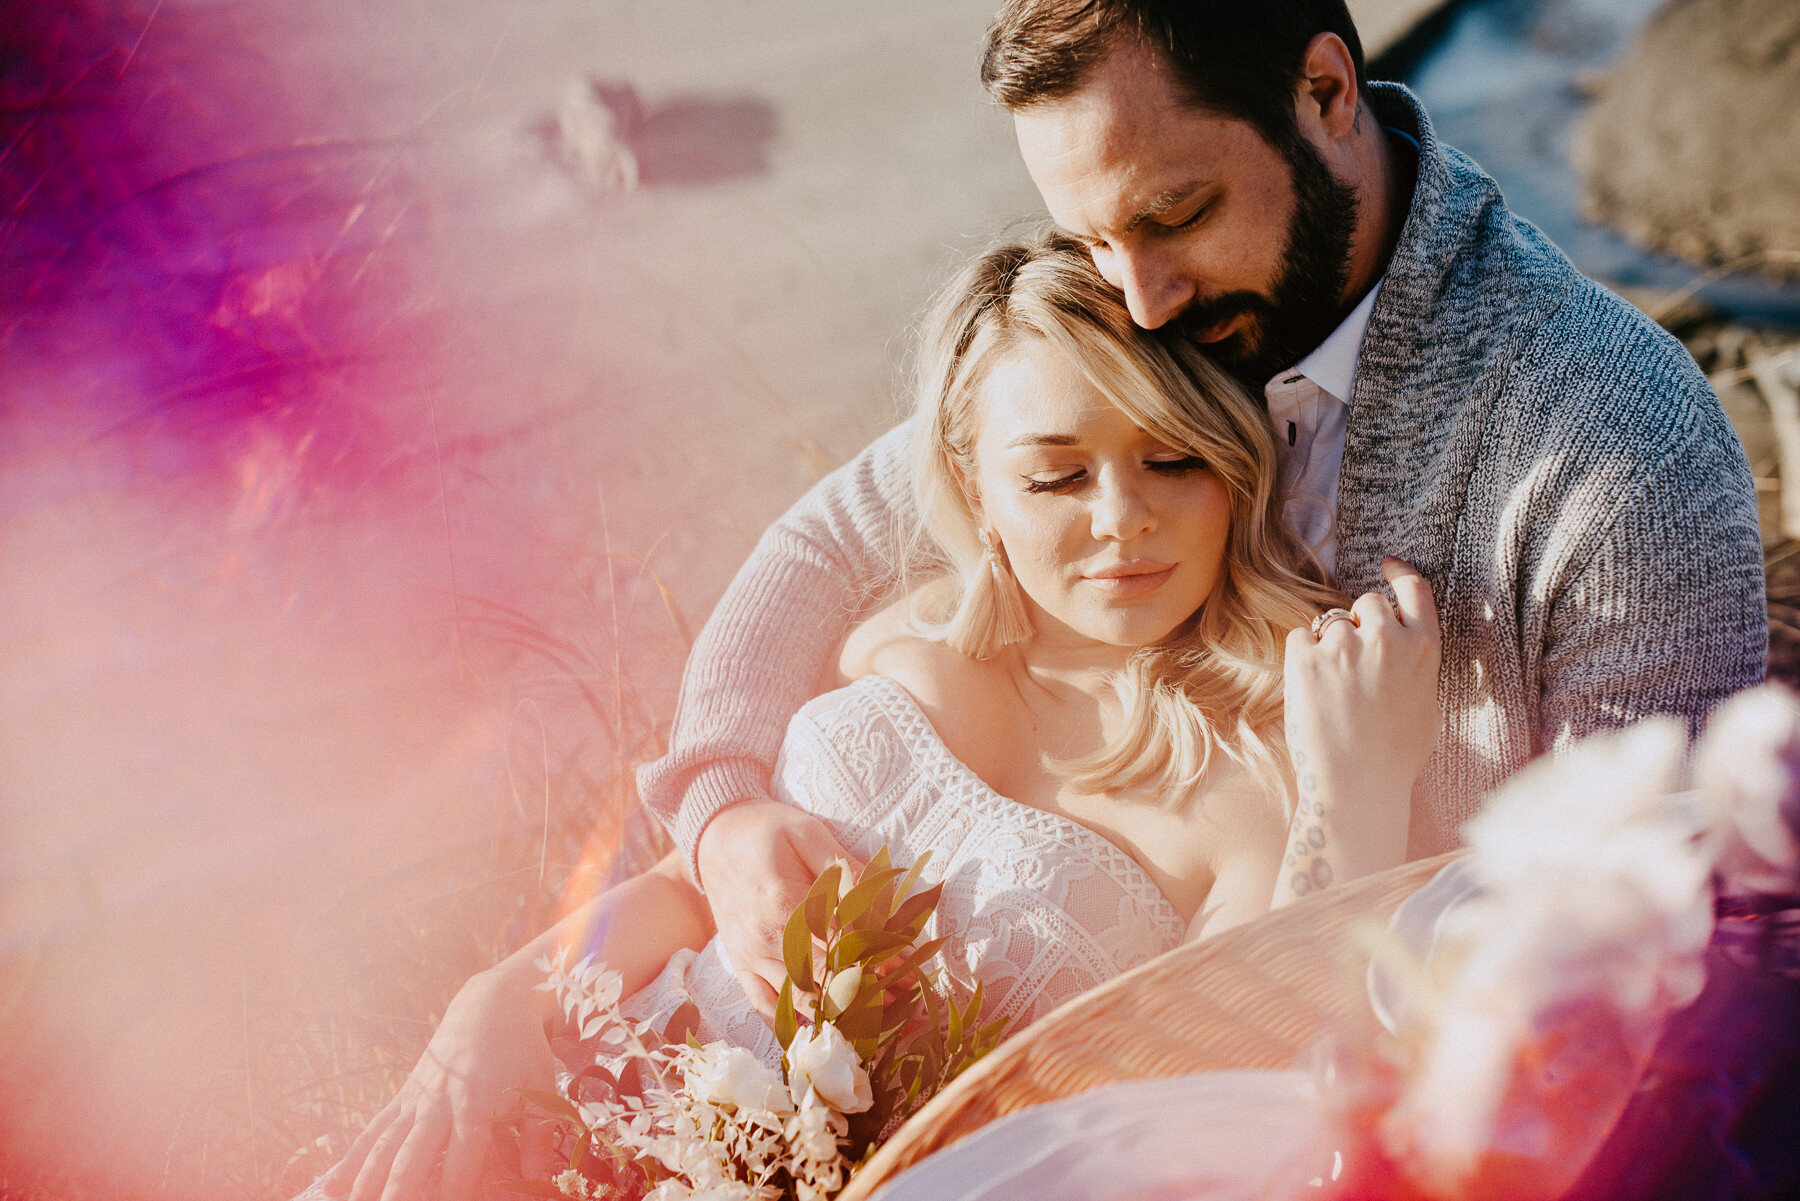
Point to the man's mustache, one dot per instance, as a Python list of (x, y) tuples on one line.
[(1201, 315)]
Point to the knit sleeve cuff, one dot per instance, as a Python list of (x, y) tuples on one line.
[(713, 787)]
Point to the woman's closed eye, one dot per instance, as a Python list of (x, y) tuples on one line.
[(1061, 483), (1179, 465)]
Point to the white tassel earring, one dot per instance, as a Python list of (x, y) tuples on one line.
[(993, 615)]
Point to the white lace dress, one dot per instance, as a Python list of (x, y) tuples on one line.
[(1036, 907)]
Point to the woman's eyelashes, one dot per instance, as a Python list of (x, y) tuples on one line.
[(1035, 486), (1180, 466), (1176, 466)]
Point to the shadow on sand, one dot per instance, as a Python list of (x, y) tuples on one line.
[(694, 138)]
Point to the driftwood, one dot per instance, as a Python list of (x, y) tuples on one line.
[(1772, 368)]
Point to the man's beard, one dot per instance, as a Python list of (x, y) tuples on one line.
[(1285, 327)]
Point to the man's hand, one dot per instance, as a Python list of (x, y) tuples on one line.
[(757, 858)]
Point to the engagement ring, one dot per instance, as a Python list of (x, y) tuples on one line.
[(1330, 615)]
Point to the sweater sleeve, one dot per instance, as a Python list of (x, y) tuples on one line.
[(769, 642), (1668, 614)]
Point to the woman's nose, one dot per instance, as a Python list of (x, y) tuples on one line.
[(1121, 511)]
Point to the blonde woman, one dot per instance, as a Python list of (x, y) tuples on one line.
[(1081, 717)]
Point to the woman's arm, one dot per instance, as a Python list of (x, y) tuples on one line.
[(771, 638), (1362, 718), (762, 655), (495, 1040)]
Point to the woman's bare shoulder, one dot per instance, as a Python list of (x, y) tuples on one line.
[(894, 643), (969, 702)]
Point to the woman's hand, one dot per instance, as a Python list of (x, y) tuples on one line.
[(491, 1042), (757, 860), (1362, 718), (495, 1040)]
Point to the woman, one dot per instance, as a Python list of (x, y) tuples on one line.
[(1082, 718)]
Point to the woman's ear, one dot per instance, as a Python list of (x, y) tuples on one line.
[(971, 495)]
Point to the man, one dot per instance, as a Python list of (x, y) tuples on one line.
[(1445, 387)]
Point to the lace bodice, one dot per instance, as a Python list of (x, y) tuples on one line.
[(1036, 906)]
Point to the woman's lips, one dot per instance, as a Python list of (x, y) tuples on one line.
[(1130, 579)]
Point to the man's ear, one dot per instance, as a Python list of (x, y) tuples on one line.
[(1328, 94)]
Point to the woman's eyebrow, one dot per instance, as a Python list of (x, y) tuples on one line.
[(1044, 440)]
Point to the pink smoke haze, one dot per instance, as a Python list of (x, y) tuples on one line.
[(367, 454), (328, 549)]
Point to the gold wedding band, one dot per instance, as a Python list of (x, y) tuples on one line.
[(1330, 615)]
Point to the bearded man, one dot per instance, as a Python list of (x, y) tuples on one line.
[(1443, 386)]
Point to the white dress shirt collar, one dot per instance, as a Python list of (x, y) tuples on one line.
[(1332, 365), (1309, 406)]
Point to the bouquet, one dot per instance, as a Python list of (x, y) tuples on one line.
[(868, 1033)]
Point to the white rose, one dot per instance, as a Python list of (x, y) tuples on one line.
[(572, 1184), (823, 1061), (728, 1075)]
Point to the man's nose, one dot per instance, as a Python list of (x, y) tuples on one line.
[(1121, 510), (1154, 291)]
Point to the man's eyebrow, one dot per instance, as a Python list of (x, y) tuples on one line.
[(1162, 204), (1088, 240), (1044, 440)]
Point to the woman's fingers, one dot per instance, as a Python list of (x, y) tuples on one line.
[(466, 1161), (417, 1157), (1415, 610), (371, 1180), (1418, 609), (1373, 612), (343, 1174)]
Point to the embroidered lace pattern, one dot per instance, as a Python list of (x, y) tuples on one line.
[(1038, 907)]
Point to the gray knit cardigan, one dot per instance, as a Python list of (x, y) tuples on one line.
[(1553, 462)]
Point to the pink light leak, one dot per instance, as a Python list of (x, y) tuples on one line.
[(366, 455), (313, 586)]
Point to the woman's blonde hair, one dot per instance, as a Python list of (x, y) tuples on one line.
[(1214, 684)]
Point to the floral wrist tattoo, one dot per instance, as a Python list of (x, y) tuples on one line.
[(1308, 863)]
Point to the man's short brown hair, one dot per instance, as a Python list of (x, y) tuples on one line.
[(1240, 58)]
